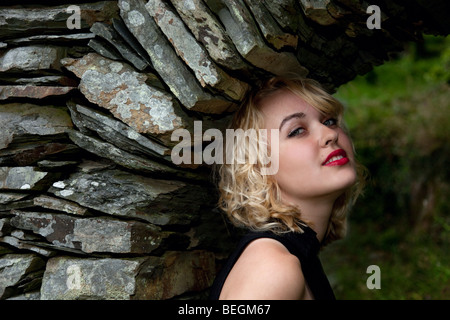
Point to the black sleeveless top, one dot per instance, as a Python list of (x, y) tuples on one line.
[(305, 246)]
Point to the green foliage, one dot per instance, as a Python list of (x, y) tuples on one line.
[(399, 117)]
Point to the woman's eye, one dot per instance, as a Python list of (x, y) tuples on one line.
[(330, 122), (296, 132)]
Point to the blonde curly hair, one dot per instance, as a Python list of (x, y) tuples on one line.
[(252, 199)]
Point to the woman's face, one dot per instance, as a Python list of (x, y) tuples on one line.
[(316, 159)]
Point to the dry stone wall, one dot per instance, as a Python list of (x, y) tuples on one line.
[(91, 204)]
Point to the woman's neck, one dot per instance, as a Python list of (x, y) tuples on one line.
[(316, 212), (317, 215)]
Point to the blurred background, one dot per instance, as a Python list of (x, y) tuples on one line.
[(399, 118)]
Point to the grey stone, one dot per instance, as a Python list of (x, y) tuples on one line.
[(92, 166), (175, 74), (192, 53), (51, 38), (104, 49), (285, 12), (56, 165), (21, 204), (125, 159), (244, 32), (119, 193), (108, 33), (68, 278), (23, 235), (270, 28), (14, 269), (47, 80), (7, 197), (145, 278), (116, 132), (52, 203), (337, 11), (27, 151), (116, 87), (31, 58), (128, 37), (108, 235), (26, 245), (90, 234), (20, 178), (24, 119), (27, 296), (317, 11), (5, 227), (175, 273), (209, 32), (38, 20), (33, 92)]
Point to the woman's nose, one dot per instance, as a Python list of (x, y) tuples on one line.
[(328, 136)]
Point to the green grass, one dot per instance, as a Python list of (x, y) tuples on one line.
[(399, 78), (399, 117), (412, 267)]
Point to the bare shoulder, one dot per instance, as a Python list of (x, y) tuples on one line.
[(265, 270)]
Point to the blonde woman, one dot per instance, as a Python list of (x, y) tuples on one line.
[(301, 207)]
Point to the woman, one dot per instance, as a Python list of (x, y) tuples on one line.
[(301, 207)]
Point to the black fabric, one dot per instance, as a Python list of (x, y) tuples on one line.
[(305, 246)]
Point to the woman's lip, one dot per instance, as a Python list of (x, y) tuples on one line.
[(339, 162)]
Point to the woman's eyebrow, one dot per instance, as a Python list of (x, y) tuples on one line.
[(292, 116)]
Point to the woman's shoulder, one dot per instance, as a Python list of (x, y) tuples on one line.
[(267, 248), (265, 270)]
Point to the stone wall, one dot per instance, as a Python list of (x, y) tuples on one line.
[(91, 205)]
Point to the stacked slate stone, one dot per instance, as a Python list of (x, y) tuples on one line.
[(91, 205)]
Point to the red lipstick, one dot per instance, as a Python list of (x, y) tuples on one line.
[(336, 158)]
